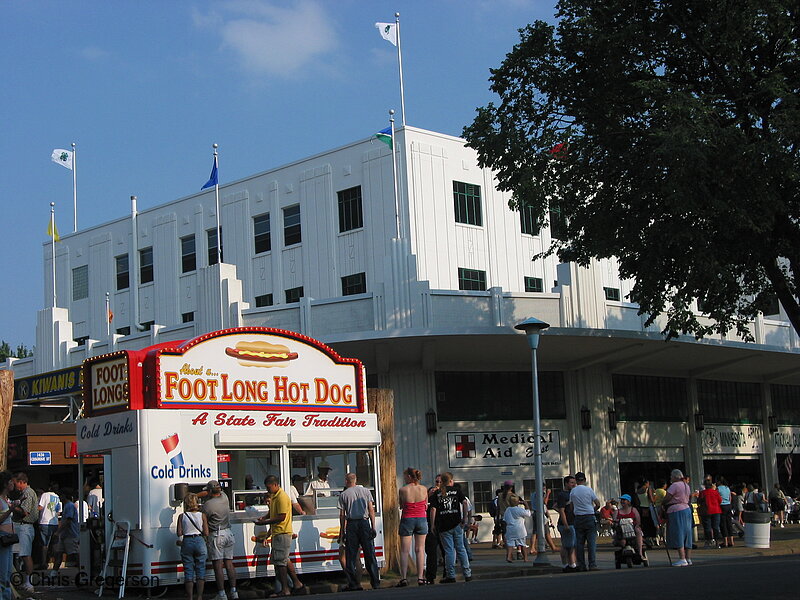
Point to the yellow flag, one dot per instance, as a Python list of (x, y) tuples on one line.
[(52, 231)]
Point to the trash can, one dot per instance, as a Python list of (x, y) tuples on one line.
[(756, 529)]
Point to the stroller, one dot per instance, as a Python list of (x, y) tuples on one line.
[(625, 540)]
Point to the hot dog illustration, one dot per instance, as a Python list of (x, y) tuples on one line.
[(261, 354), (331, 533)]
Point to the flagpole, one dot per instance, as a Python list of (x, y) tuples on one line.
[(53, 246), (400, 66), (74, 189), (394, 175), (219, 237)]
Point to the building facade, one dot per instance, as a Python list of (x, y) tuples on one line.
[(426, 292)]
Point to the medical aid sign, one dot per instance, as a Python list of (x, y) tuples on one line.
[(258, 369), (502, 448)]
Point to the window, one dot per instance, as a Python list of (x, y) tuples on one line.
[(187, 317), (354, 284), (467, 199), (482, 495), (488, 396), (148, 325), (291, 225), (319, 488), (729, 401), (470, 279), (123, 274), (611, 294), (786, 403), (145, 265), (124, 330), (81, 341), (262, 237), (350, 215), (534, 284), (294, 294), (645, 398), (188, 255), (80, 283), (242, 474), (211, 236), (774, 307), (558, 224), (554, 485), (264, 300), (527, 220)]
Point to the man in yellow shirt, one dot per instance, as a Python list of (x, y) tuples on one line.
[(280, 518)]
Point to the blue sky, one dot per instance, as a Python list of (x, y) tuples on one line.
[(145, 87)]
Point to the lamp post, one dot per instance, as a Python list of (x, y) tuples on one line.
[(532, 328)]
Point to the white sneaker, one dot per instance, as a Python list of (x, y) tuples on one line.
[(681, 563), (233, 595), (689, 561), (222, 596)]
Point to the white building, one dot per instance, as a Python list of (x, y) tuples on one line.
[(312, 247)]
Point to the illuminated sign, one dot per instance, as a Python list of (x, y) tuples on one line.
[(261, 371), (109, 384)]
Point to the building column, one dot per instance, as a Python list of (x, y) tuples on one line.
[(694, 438), (769, 459)]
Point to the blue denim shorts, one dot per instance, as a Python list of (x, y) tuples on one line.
[(567, 533), (413, 526), (193, 556)]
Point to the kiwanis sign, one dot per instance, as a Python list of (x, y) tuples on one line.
[(502, 448)]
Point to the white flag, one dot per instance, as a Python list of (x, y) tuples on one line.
[(62, 157), (388, 32)]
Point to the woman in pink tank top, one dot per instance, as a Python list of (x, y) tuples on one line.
[(413, 522)]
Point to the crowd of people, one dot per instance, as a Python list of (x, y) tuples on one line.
[(40, 526)]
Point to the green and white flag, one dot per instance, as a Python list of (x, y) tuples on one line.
[(62, 157), (388, 32), (385, 135)]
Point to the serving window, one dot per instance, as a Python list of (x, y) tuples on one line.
[(242, 474), (318, 476)]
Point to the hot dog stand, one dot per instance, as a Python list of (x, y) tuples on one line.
[(234, 405)]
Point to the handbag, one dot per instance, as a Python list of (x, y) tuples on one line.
[(8, 539)]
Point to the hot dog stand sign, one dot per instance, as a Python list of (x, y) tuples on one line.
[(245, 368)]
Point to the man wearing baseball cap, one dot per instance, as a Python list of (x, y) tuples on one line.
[(320, 486), (220, 538), (584, 504)]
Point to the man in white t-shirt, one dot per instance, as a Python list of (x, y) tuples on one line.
[(320, 486), (95, 498), (49, 509), (585, 503)]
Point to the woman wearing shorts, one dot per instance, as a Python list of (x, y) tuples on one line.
[(413, 522), (192, 535)]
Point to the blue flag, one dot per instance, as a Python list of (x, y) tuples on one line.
[(214, 179)]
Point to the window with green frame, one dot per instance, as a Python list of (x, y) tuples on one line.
[(467, 201), (471, 279)]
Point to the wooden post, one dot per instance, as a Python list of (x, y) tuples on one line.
[(6, 403), (381, 402)]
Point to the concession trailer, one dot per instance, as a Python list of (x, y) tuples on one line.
[(236, 406)]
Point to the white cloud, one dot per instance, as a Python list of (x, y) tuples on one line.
[(272, 39)]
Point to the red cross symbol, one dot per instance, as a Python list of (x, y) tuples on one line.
[(465, 446)]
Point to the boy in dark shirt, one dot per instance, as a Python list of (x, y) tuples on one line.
[(449, 512)]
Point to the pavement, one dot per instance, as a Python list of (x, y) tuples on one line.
[(487, 564)]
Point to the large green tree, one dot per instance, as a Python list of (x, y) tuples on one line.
[(667, 134)]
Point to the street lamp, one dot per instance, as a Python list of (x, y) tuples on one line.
[(532, 328)]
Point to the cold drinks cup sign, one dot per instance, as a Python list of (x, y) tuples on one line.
[(262, 371), (502, 448)]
